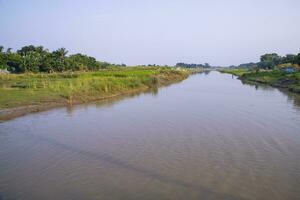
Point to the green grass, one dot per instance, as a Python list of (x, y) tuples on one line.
[(269, 77), (30, 89), (274, 78)]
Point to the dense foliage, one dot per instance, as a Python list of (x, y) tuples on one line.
[(186, 65), (38, 59), (271, 60)]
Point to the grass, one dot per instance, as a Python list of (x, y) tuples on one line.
[(31, 89), (269, 77), (275, 78)]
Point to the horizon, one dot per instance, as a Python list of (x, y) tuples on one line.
[(162, 33)]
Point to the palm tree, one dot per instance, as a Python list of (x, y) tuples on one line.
[(9, 50), (61, 52)]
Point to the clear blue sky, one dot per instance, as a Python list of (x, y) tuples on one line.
[(221, 32)]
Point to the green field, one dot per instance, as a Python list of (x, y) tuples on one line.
[(77, 87)]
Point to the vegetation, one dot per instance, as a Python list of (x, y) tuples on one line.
[(38, 59), (276, 78), (271, 70), (39, 79), (270, 61), (28, 89), (186, 65), (31, 92)]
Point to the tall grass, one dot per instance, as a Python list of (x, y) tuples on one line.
[(24, 87)]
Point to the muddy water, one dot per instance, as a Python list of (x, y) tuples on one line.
[(208, 137)]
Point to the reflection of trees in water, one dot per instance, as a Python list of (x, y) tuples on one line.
[(154, 91), (206, 72), (259, 86), (69, 110), (294, 98)]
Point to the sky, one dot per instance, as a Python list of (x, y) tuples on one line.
[(164, 32)]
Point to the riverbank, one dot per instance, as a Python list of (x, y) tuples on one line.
[(26, 93), (289, 81)]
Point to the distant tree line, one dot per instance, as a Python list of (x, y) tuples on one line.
[(38, 59), (192, 65), (271, 60)]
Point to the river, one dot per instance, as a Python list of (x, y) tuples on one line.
[(207, 137)]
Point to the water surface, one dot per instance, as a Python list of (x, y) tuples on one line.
[(208, 137)]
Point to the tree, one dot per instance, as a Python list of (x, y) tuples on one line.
[(269, 61), (104, 65), (31, 61), (60, 63), (297, 59), (13, 62), (2, 59), (61, 53), (38, 59), (83, 62), (206, 65), (78, 62), (46, 63), (9, 50), (289, 58)]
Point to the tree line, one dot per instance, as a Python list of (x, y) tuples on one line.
[(271, 60), (38, 59), (192, 65)]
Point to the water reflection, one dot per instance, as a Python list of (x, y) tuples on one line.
[(294, 98), (206, 72), (259, 86), (109, 102)]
